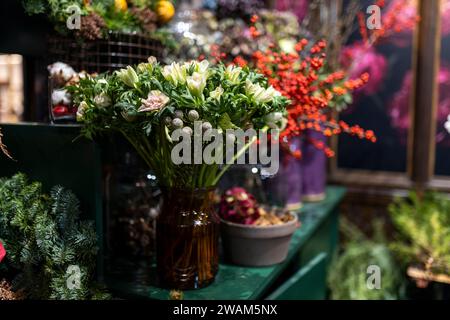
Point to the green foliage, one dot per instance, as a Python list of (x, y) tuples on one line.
[(424, 227), (43, 235), (114, 20), (348, 273)]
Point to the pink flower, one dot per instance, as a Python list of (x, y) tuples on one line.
[(445, 19), (239, 206), (399, 107), (297, 7), (155, 101), (358, 59), (2, 251)]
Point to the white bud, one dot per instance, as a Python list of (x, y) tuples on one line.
[(177, 123), (179, 114), (193, 115), (168, 121), (206, 126)]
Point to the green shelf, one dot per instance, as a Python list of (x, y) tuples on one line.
[(317, 235)]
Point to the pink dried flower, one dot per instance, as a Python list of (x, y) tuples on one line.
[(239, 206)]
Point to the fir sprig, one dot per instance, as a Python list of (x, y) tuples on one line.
[(43, 235)]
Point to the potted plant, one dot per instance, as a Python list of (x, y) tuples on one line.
[(251, 234), (423, 222), (159, 108)]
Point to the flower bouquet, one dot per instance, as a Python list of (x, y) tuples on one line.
[(182, 120)]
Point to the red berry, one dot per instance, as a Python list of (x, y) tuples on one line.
[(60, 110)]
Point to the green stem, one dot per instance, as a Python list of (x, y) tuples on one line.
[(236, 156)]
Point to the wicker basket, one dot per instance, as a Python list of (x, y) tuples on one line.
[(102, 55)]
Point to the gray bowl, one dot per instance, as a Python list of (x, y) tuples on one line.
[(256, 246)]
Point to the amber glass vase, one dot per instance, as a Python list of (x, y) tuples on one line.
[(187, 234)]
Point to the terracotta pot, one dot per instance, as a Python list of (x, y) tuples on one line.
[(257, 246)]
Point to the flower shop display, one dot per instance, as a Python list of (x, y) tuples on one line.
[(150, 105), (47, 244), (253, 235), (99, 36), (423, 222), (98, 18), (200, 33)]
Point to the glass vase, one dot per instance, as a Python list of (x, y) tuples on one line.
[(187, 234)]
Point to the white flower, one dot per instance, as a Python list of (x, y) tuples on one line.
[(61, 96), (81, 109), (217, 93), (175, 73), (60, 69), (447, 124), (232, 73), (201, 67), (128, 76), (196, 83), (287, 45), (260, 94), (155, 101), (102, 100), (273, 92), (275, 120), (274, 117)]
